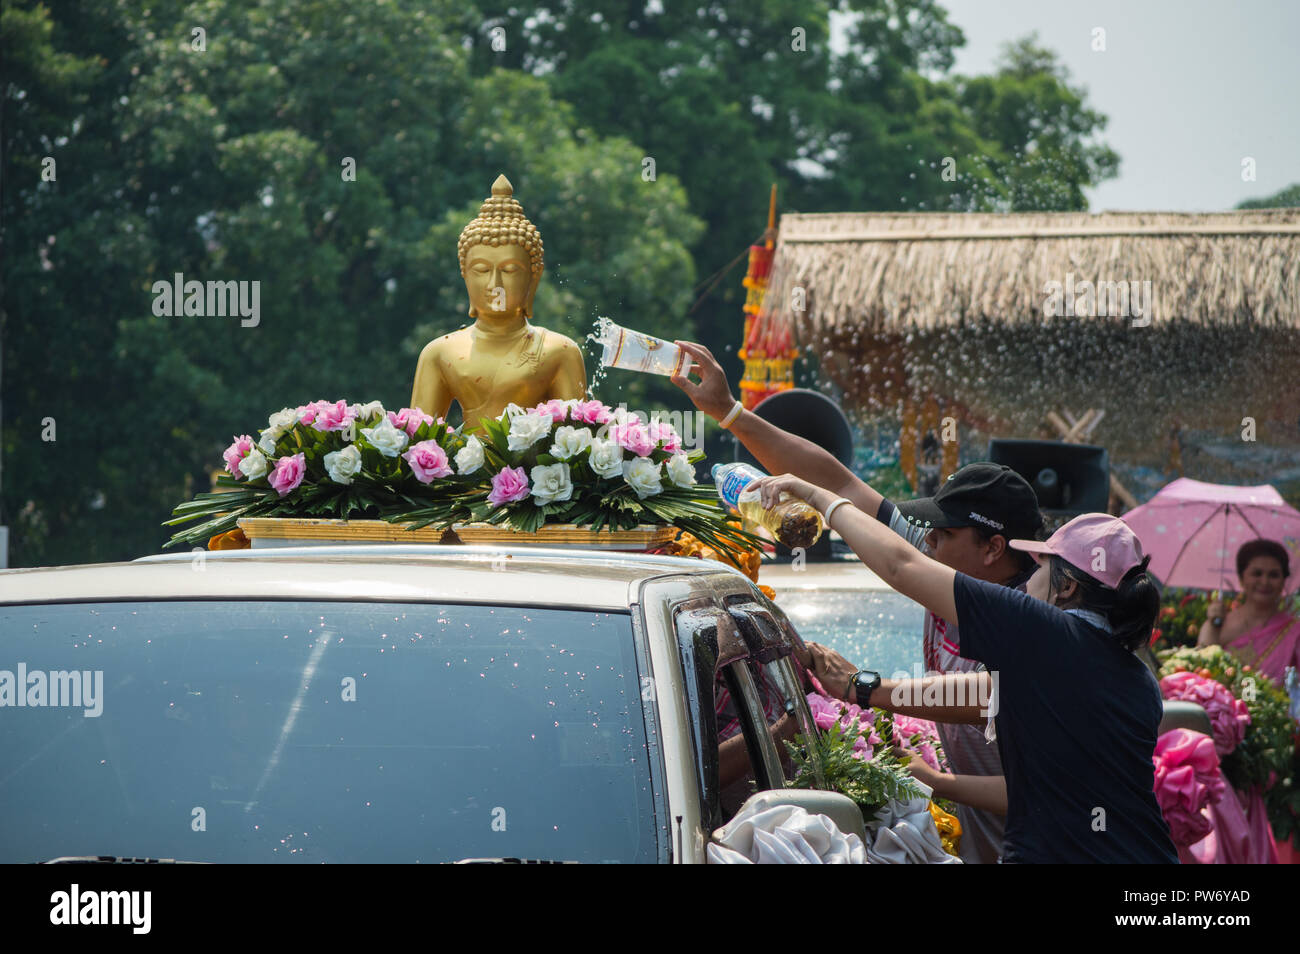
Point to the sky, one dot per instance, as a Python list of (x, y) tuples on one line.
[(1191, 88)]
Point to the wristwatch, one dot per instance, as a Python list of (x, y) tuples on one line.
[(863, 683)]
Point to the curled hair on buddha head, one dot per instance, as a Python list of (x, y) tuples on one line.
[(501, 221), (1130, 608), (1262, 548)]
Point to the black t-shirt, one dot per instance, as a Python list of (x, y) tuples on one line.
[(1077, 721)]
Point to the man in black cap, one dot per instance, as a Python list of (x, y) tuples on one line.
[(965, 525)]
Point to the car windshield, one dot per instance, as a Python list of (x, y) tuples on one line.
[(876, 629), (322, 731)]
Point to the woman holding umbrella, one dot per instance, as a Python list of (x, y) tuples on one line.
[(1257, 631)]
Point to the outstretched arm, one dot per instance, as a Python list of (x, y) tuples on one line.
[(930, 697), (777, 450), (903, 567)]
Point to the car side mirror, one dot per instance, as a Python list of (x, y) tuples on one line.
[(840, 809)]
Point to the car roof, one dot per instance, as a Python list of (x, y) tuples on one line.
[(377, 572)]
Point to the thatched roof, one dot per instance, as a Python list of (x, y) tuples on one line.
[(895, 271)]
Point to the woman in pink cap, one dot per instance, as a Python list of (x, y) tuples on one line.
[(1076, 711)]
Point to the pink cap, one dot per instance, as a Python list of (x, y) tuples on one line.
[(1100, 545)]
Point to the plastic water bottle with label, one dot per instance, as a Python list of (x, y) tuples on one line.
[(634, 351), (792, 521)]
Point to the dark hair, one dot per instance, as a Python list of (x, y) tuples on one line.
[(1262, 548), (1130, 608), (1025, 560)]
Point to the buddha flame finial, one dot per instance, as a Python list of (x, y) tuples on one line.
[(501, 221)]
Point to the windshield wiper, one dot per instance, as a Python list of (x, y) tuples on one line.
[(115, 860), (513, 861)]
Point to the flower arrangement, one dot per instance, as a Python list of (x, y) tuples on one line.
[(1229, 716), (1187, 779), (851, 757), (919, 737), (1180, 619), (578, 462), (1266, 756)]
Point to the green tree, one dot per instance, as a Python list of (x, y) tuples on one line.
[(227, 162), (1288, 198)]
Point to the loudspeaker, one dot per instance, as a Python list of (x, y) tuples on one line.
[(814, 417), (810, 415), (1069, 479)]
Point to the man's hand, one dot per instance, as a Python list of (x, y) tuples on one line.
[(832, 670), (712, 395)]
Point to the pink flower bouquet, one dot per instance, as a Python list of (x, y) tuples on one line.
[(1187, 779), (1229, 716), (920, 738)]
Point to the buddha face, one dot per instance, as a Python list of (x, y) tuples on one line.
[(499, 282)]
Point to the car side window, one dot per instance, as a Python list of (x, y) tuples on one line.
[(750, 710), (736, 705)]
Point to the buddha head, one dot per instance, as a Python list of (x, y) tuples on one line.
[(500, 254)]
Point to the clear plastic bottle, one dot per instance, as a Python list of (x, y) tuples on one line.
[(791, 521)]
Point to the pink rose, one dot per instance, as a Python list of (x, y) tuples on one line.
[(858, 723), (509, 485), (667, 434), (237, 452), (927, 739), (409, 419), (633, 437), (333, 417), (555, 408), (427, 461), (1229, 716), (288, 473), (591, 412), (308, 412)]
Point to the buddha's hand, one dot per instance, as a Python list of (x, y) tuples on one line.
[(712, 394)]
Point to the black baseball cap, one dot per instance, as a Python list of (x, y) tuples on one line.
[(980, 494)]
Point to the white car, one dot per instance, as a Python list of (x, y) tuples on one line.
[(390, 703)]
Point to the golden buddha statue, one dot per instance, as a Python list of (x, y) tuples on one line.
[(501, 358)]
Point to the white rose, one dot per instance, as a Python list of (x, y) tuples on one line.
[(551, 482), (254, 465), (388, 440), (343, 465), (681, 471), (266, 442), (527, 429), (621, 415), (569, 442), (606, 458), (642, 475), (513, 410), (283, 419), (368, 412), (470, 457)]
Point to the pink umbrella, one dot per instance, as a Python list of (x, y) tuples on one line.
[(1193, 529)]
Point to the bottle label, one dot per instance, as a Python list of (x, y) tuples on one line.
[(735, 481)]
